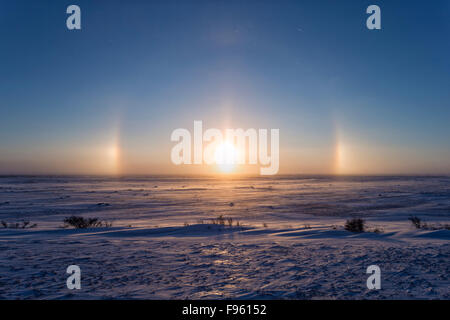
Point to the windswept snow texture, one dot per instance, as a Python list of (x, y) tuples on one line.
[(290, 242)]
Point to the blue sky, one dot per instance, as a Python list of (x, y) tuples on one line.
[(139, 69)]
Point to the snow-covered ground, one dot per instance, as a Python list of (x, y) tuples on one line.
[(290, 242)]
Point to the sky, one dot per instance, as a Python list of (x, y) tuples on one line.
[(105, 99)]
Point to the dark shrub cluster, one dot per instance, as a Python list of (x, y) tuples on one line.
[(355, 225), (416, 222), (18, 225), (82, 223), (425, 226)]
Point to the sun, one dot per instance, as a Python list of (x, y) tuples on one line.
[(226, 156)]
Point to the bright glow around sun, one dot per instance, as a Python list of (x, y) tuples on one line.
[(112, 158), (226, 156)]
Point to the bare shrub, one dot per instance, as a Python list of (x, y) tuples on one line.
[(416, 222), (221, 220), (18, 225), (355, 225), (83, 223), (425, 226)]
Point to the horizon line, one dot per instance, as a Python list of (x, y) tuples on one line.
[(224, 175)]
